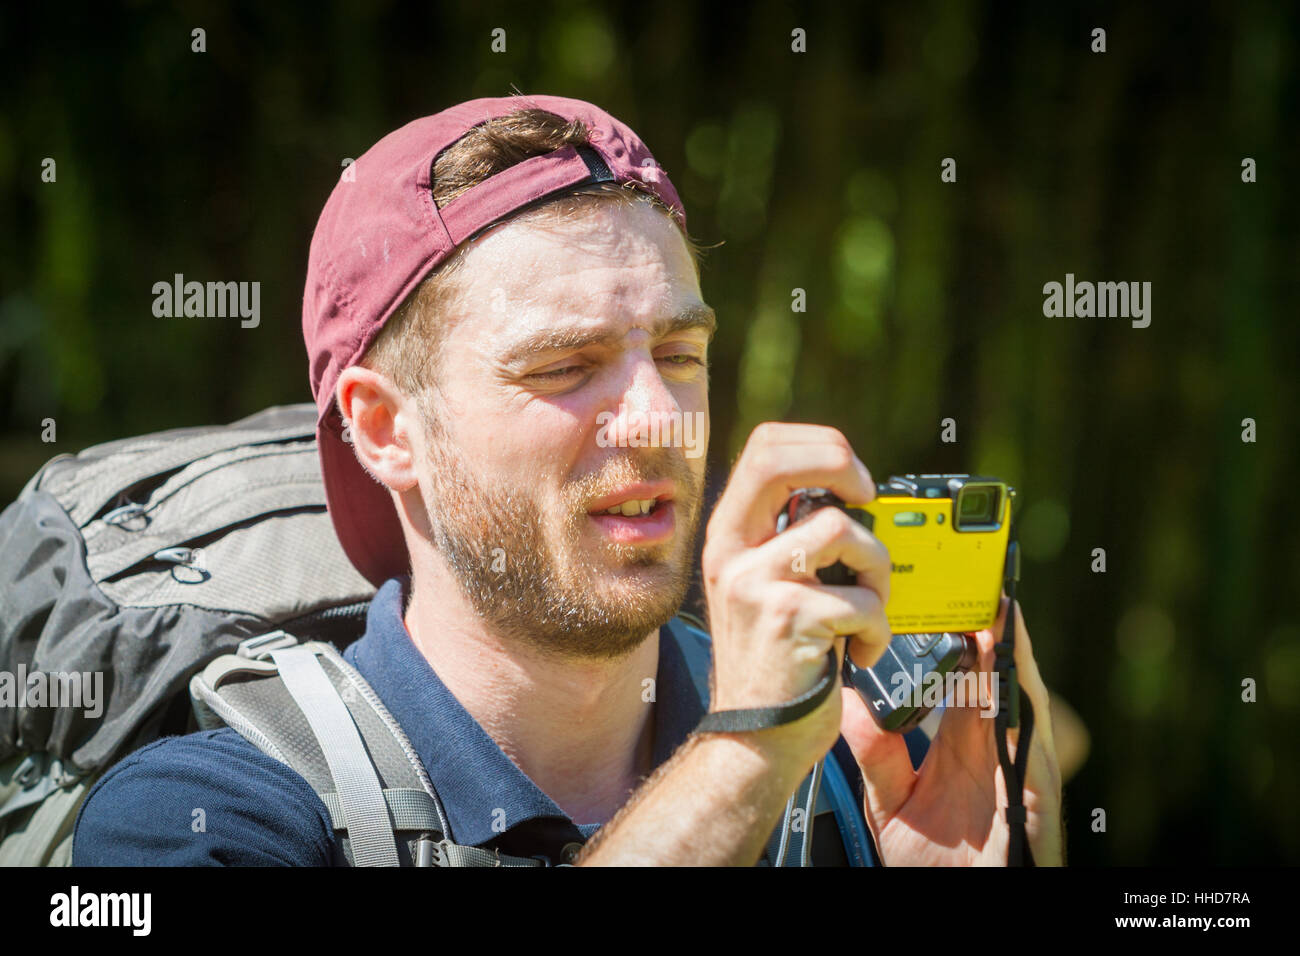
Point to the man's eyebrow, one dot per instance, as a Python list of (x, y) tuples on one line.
[(567, 340)]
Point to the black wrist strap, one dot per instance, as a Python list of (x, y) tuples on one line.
[(1010, 714), (761, 718)]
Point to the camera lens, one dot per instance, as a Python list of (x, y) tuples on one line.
[(974, 504), (977, 506)]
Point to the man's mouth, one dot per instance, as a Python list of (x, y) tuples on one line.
[(640, 514), (632, 508)]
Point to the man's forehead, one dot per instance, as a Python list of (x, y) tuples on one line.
[(626, 269), (610, 229), (610, 244), (635, 292)]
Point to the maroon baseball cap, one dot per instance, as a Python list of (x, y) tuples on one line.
[(379, 237)]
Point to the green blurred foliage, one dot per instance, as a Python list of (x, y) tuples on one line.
[(817, 171)]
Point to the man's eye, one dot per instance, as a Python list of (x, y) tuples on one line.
[(683, 359), (556, 374)]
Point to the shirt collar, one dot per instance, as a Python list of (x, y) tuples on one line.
[(482, 790)]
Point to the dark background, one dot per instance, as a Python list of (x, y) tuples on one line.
[(818, 171)]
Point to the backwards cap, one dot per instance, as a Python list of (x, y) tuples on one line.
[(381, 234)]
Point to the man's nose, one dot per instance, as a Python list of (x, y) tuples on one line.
[(645, 412)]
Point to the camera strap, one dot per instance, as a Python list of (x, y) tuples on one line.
[(1010, 715), (761, 718)]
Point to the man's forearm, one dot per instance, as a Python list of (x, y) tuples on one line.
[(714, 803)]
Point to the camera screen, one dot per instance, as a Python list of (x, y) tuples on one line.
[(977, 506)]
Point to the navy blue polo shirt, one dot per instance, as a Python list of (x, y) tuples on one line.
[(213, 798)]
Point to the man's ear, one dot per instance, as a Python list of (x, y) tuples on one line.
[(382, 424)]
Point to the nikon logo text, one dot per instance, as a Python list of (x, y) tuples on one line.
[(213, 300), (1127, 300)]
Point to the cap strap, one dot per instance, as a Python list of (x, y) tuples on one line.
[(514, 187), (596, 165)]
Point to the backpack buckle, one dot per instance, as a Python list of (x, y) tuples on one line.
[(260, 647), (430, 852)]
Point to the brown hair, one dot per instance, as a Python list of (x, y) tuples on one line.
[(409, 342)]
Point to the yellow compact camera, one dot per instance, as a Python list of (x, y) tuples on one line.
[(947, 539)]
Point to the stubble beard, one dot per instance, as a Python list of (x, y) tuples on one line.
[(561, 594)]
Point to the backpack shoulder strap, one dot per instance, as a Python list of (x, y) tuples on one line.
[(304, 705), (835, 792)]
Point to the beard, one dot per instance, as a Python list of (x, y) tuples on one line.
[(537, 582)]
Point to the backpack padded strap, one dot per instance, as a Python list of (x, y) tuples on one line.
[(414, 810), (409, 810), (370, 831)]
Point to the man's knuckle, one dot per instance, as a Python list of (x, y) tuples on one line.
[(836, 524), (766, 463), (759, 439), (783, 604), (733, 580), (711, 571), (839, 458), (837, 437)]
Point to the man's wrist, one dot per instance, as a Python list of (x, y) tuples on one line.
[(713, 804), (782, 752)]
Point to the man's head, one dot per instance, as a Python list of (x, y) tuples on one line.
[(501, 405)]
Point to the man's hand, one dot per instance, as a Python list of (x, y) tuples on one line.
[(952, 811), (772, 620), (717, 799)]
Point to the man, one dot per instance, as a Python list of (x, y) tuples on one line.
[(502, 305)]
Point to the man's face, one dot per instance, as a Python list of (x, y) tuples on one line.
[(572, 380)]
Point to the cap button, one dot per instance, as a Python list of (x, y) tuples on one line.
[(570, 852)]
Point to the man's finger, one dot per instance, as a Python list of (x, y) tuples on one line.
[(778, 460), (1031, 680), (887, 774), (825, 537)]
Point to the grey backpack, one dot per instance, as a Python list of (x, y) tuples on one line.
[(203, 560), (304, 705), (191, 560), (127, 568)]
